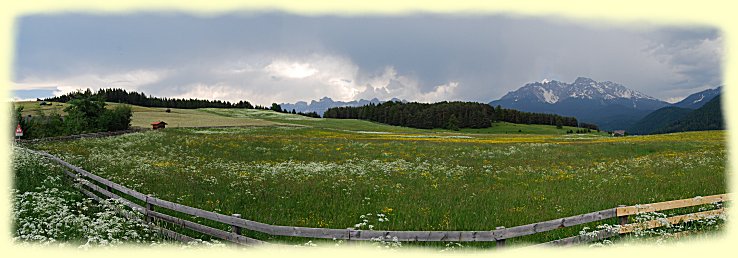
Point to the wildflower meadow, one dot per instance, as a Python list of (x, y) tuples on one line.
[(320, 173)]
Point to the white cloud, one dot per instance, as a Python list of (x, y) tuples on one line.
[(295, 70), (130, 80), (440, 93), (675, 99), (392, 85), (263, 80)]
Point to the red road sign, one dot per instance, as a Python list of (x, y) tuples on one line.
[(18, 131)]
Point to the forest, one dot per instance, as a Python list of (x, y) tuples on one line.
[(141, 99), (448, 115)]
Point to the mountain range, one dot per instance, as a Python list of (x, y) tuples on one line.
[(699, 99), (325, 103), (699, 111), (607, 104), (610, 105), (707, 117)]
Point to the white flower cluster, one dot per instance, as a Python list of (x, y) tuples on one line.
[(452, 246), (666, 231), (368, 219), (51, 216), (387, 242)]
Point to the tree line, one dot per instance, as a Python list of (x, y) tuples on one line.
[(277, 108), (448, 115), (141, 99), (521, 117), (86, 113)]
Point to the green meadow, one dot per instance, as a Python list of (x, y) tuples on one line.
[(285, 169)]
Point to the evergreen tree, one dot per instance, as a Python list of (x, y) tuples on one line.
[(276, 107), (453, 123)]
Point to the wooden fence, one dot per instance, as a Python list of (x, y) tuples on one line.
[(86, 135), (498, 235)]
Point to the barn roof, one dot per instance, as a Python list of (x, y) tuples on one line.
[(159, 122)]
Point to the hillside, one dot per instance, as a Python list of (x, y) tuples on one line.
[(708, 117), (206, 117), (143, 116), (658, 119)]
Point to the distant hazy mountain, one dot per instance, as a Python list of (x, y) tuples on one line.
[(698, 99), (325, 103), (659, 120), (707, 117), (610, 105)]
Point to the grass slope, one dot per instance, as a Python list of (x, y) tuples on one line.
[(315, 177), (511, 128), (143, 116)]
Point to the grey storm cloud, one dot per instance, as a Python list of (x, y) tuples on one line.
[(279, 57)]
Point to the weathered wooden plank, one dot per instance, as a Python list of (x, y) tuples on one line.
[(94, 177), (424, 236), (111, 195), (671, 220), (87, 135), (539, 227), (325, 233), (168, 233), (659, 206), (225, 235), (590, 237), (173, 235), (230, 220)]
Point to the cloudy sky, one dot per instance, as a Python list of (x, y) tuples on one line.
[(280, 57)]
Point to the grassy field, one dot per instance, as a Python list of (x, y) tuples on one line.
[(338, 173), (144, 116)]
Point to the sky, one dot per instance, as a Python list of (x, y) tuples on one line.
[(275, 57)]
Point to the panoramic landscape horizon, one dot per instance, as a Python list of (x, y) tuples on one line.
[(445, 132)]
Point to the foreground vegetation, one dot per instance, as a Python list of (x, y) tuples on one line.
[(350, 173), (48, 210)]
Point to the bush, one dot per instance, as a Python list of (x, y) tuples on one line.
[(116, 119), (85, 114)]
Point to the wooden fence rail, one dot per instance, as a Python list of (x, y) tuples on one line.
[(498, 235), (86, 135)]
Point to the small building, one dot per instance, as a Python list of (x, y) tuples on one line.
[(158, 125), (618, 133)]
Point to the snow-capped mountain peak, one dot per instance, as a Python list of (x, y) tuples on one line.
[(584, 81), (551, 92), (608, 104)]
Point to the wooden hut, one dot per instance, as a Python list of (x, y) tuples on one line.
[(158, 125)]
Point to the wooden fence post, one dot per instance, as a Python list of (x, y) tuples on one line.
[(500, 242), (149, 207), (622, 220), (236, 229)]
